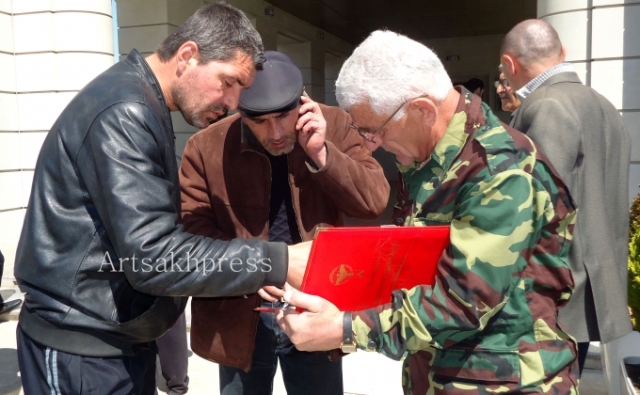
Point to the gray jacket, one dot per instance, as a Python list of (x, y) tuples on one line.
[(584, 137)]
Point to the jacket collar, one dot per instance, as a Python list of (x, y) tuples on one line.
[(472, 119), (542, 78), (137, 61), (141, 66), (461, 125)]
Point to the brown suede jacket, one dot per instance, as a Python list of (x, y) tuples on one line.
[(226, 182)]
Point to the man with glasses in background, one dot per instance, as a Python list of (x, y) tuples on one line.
[(488, 324), (508, 98)]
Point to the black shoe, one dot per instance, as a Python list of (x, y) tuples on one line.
[(10, 305)]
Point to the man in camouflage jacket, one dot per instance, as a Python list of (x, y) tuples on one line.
[(489, 323)]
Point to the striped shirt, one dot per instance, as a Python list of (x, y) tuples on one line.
[(536, 82)]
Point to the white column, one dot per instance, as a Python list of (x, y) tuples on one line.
[(602, 38), (49, 49)]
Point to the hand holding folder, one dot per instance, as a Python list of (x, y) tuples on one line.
[(356, 268)]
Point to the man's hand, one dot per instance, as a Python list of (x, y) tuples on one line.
[(312, 128), (319, 328), (271, 293), (298, 258)]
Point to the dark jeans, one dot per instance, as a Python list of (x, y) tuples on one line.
[(46, 371), (304, 373), (173, 354)]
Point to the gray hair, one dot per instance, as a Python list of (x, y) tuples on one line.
[(220, 31), (532, 41), (388, 69)]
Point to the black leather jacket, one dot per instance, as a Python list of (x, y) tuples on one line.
[(102, 257)]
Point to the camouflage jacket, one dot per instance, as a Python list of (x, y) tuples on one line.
[(489, 323)]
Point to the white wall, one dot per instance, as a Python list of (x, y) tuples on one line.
[(49, 49)]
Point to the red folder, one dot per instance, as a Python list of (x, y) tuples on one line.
[(356, 268)]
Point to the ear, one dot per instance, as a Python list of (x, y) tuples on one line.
[(563, 53), (509, 64), (187, 56), (428, 110)]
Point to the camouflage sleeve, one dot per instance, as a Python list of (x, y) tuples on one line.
[(495, 228)]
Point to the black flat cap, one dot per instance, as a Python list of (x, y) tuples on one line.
[(276, 88)]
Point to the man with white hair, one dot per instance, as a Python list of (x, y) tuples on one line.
[(583, 135), (489, 322)]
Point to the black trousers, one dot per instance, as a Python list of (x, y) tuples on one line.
[(173, 354), (46, 371)]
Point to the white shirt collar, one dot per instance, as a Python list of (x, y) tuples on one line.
[(536, 82)]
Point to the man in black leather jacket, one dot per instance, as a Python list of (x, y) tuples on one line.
[(103, 259)]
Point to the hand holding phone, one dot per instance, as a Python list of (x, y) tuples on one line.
[(312, 129)]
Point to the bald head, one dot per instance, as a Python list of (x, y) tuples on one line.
[(528, 50), (533, 41)]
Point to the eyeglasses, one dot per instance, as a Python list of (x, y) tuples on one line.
[(504, 83), (369, 136)]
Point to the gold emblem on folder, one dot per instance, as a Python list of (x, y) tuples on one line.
[(343, 273)]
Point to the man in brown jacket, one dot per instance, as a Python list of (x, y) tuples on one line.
[(278, 170)]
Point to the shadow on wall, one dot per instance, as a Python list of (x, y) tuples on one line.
[(9, 379)]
